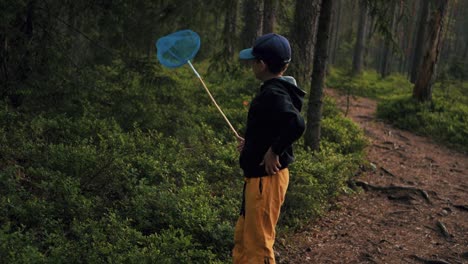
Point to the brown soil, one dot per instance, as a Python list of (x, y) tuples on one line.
[(426, 221)]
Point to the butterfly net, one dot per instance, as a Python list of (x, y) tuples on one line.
[(176, 49)]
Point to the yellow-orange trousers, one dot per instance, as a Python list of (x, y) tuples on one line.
[(254, 234)]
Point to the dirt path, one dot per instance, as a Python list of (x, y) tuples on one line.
[(426, 221)]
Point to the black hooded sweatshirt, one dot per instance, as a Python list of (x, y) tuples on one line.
[(274, 120)]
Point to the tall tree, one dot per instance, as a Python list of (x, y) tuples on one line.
[(314, 110), (407, 36), (269, 15), (422, 90), (385, 62), (455, 39), (337, 12), (230, 28), (359, 48), (462, 34), (253, 18), (420, 39), (303, 37), (18, 51), (448, 34)]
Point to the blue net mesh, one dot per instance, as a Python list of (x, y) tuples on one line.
[(176, 49)]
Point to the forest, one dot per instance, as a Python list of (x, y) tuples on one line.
[(107, 156)]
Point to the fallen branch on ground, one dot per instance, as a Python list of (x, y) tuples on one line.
[(368, 186)]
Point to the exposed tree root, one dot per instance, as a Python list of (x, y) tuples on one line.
[(389, 189), (429, 261), (387, 171), (443, 230), (464, 255), (365, 117), (382, 147), (456, 170), (402, 137), (461, 207), (368, 257)]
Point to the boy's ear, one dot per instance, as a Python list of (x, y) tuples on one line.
[(264, 65), (285, 68)]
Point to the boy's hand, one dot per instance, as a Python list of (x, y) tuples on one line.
[(271, 162), (240, 143)]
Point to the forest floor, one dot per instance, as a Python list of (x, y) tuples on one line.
[(413, 207)]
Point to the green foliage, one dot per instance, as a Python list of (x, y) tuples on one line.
[(456, 69), (318, 177), (451, 91), (342, 135), (315, 181), (137, 166), (63, 177), (440, 119), (369, 84), (343, 58), (443, 119)]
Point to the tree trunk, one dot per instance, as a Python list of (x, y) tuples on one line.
[(359, 47), (335, 32), (230, 28), (465, 53), (420, 40), (269, 15), (422, 90), (253, 18), (385, 64), (303, 38), (17, 55), (462, 33), (408, 39), (314, 110), (447, 37)]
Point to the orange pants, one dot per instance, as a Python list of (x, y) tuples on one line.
[(254, 234)]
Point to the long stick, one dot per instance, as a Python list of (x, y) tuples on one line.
[(214, 101)]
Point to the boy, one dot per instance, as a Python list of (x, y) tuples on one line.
[(273, 124)]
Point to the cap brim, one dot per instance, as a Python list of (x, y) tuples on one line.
[(246, 54)]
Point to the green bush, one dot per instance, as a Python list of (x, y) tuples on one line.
[(318, 177), (315, 180), (343, 135), (443, 121), (369, 84), (137, 166)]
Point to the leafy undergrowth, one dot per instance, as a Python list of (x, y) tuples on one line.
[(369, 84), (134, 165), (445, 119)]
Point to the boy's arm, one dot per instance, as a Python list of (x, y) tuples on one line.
[(291, 129), (290, 123)]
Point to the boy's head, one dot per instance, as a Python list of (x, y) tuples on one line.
[(273, 49)]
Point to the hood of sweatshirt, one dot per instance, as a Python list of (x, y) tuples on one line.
[(289, 84)]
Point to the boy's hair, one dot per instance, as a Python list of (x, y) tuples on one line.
[(274, 66)]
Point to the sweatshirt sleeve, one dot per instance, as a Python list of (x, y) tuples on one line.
[(289, 121)]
